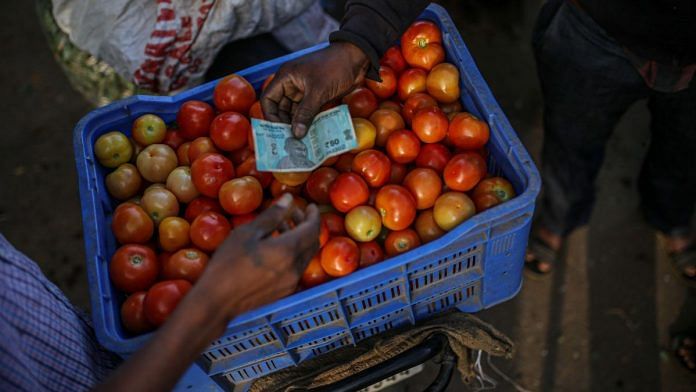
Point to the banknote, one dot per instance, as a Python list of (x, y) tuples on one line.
[(277, 150)]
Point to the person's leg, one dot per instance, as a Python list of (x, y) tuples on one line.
[(668, 178), (587, 85)]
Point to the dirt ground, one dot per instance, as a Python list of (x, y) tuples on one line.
[(599, 323)]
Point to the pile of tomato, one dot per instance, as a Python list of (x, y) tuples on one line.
[(419, 170)]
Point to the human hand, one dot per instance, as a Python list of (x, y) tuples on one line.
[(254, 266), (302, 86)]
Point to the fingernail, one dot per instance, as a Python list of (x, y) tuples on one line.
[(300, 130), (285, 200)]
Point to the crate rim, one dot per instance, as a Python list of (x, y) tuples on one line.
[(85, 181)]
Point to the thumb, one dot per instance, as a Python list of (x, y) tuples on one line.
[(304, 114)]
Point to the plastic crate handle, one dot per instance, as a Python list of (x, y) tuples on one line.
[(430, 347)]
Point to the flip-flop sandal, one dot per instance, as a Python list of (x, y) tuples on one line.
[(681, 344), (542, 254), (681, 260)]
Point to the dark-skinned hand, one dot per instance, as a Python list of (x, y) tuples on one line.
[(302, 86)]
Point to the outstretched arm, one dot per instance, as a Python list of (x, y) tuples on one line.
[(251, 268), (301, 87)]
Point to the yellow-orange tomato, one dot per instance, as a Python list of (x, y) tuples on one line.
[(386, 121), (363, 223), (443, 83), (453, 208), (173, 233), (292, 178), (365, 132)]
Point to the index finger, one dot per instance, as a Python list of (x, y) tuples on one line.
[(271, 97), (305, 235), (271, 219)]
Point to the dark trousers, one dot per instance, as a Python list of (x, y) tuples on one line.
[(588, 83)]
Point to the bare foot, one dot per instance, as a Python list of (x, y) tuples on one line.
[(553, 241)]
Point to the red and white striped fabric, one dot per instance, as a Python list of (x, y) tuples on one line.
[(167, 45)]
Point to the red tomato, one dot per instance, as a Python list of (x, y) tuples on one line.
[(398, 172), (239, 220), (278, 189), (361, 102), (255, 111), (347, 191), (415, 103), (131, 224), (162, 299), (387, 86), (173, 138), (421, 45), (163, 257), (403, 146), (229, 131), (394, 59), (425, 185), (345, 162), (468, 132), (430, 125), (241, 195), (291, 178), (318, 184), (340, 256), (187, 264), (239, 156), (427, 228), (330, 161), (209, 172), (434, 156), (208, 230), (199, 205), (182, 154), (401, 241), (324, 233), (386, 121), (133, 268), (194, 118), (248, 168), (397, 206), (411, 81), (234, 94), (464, 171), (370, 253), (335, 223), (390, 105), (492, 191), (250, 140), (314, 274), (374, 167), (199, 147), (133, 314)]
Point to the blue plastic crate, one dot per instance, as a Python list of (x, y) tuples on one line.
[(475, 266)]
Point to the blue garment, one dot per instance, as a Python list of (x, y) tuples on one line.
[(47, 344)]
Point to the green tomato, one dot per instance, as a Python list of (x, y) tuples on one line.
[(149, 129), (112, 149)]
